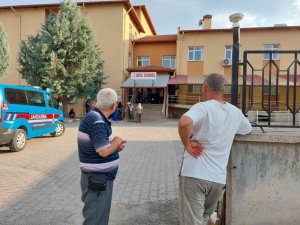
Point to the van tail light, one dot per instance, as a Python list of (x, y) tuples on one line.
[(3, 106)]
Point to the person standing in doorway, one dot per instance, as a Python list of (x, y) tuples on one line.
[(99, 158), (87, 105), (139, 112), (161, 96), (207, 131)]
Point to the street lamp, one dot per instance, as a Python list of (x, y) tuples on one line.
[(235, 19)]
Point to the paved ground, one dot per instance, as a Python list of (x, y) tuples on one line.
[(40, 185)]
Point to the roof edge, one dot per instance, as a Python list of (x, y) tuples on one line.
[(150, 69), (155, 38), (126, 3), (134, 16), (242, 29), (148, 18), (58, 4)]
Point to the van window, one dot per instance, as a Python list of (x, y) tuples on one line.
[(15, 96), (35, 98), (52, 102)]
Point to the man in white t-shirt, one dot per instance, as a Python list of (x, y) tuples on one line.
[(207, 131)]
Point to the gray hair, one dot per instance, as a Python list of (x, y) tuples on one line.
[(215, 82), (106, 98)]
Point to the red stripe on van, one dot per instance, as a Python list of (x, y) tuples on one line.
[(23, 116), (27, 116)]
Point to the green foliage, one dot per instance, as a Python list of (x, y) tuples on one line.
[(63, 55), (4, 53)]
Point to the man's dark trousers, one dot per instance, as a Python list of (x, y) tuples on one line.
[(96, 205)]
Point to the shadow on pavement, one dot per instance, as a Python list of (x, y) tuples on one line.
[(5, 150), (154, 213), (55, 199)]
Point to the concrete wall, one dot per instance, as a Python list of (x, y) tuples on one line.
[(263, 184)]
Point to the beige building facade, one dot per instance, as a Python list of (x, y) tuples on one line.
[(203, 51), (115, 25)]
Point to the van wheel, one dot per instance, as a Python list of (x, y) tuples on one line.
[(19, 141), (60, 129)]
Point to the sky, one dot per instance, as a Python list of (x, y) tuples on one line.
[(168, 15)]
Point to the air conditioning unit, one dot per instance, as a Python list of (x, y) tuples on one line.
[(227, 62)]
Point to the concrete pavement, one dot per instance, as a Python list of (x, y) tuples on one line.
[(40, 185)]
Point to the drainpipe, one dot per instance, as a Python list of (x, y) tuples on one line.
[(124, 32), (166, 100), (180, 48), (124, 29), (20, 37)]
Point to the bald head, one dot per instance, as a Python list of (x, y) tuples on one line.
[(215, 82)]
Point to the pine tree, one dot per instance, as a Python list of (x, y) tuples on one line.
[(63, 55), (4, 53)]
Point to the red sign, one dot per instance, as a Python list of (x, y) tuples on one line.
[(143, 75)]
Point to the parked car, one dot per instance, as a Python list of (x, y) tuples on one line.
[(25, 113)]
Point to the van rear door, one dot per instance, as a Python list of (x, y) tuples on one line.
[(15, 104), (41, 122)]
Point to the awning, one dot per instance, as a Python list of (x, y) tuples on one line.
[(228, 78), (161, 81), (200, 80), (291, 80), (178, 79), (257, 80)]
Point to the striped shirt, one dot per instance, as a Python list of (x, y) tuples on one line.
[(94, 135)]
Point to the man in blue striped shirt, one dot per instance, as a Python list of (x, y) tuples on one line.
[(99, 158)]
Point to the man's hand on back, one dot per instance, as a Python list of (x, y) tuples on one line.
[(194, 148)]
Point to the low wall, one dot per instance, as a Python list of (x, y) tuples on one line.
[(263, 184), (276, 116)]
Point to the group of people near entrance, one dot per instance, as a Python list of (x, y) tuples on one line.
[(206, 130)]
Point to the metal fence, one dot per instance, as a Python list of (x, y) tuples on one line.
[(183, 99), (275, 78)]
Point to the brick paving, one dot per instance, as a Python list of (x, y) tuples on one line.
[(40, 185)]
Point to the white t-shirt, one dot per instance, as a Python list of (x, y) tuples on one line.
[(215, 125)]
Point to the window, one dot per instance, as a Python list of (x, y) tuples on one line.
[(195, 53), (271, 48), (195, 88), (143, 60), (168, 61), (35, 98), (228, 52), (15, 96), (52, 101)]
